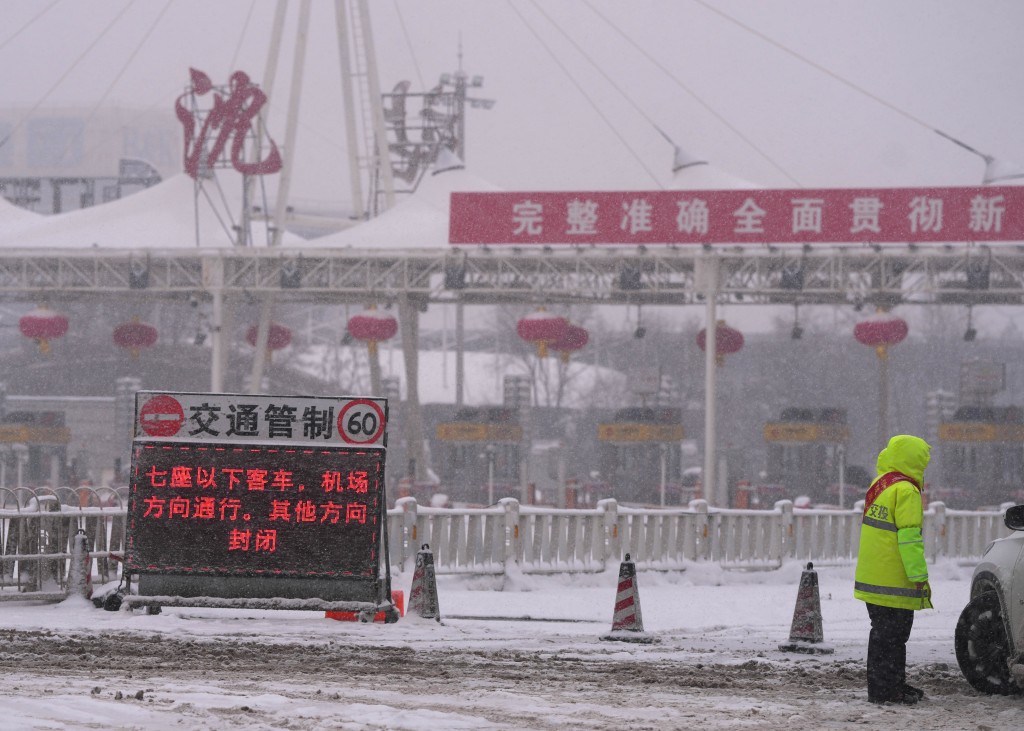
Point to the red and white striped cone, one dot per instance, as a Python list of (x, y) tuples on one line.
[(423, 593), (806, 634), (80, 569), (627, 620)]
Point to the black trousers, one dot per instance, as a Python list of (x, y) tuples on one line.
[(887, 651)]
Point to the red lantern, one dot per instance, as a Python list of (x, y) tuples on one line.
[(43, 325), (574, 338), (278, 336), (881, 331), (727, 341), (542, 330), (134, 336), (372, 327)]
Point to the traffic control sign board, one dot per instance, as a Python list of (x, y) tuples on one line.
[(258, 500), (232, 417)]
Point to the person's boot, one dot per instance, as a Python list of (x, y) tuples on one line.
[(901, 697), (907, 688)]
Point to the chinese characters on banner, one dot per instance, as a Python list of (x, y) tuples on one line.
[(228, 508), (866, 215)]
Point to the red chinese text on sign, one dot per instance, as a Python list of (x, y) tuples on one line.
[(854, 215)]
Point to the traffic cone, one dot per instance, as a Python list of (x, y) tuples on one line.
[(423, 594), (806, 634), (627, 620)]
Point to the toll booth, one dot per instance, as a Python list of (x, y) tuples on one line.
[(805, 450), (477, 454), (640, 452), (33, 448), (982, 456)]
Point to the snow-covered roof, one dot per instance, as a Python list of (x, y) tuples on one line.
[(13, 218), (483, 375), (160, 217), (418, 222), (693, 173)]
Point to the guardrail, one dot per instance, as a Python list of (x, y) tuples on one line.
[(511, 537), (37, 527)]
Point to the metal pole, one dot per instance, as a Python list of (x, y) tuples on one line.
[(710, 347), (387, 181), (664, 451), (351, 138), (883, 398), (490, 474), (460, 352), (217, 342), (842, 475), (291, 128), (284, 186)]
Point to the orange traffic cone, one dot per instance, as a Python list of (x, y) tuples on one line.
[(423, 594), (806, 634), (627, 621)]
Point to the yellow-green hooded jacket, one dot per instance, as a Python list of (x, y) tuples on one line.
[(891, 569)]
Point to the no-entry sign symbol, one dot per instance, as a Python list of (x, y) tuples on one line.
[(361, 422), (161, 416)]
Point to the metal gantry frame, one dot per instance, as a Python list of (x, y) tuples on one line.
[(874, 276), (881, 276)]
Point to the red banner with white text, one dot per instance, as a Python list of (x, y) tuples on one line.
[(844, 215)]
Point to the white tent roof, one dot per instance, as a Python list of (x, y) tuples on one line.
[(418, 222), (160, 217), (693, 173), (14, 217)]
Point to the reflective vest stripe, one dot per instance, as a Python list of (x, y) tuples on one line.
[(883, 483), (890, 590), (875, 523), (907, 543)]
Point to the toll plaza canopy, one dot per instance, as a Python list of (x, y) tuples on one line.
[(173, 214), (420, 221)]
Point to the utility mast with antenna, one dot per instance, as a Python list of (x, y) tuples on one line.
[(420, 124)]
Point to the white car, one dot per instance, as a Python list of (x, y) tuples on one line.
[(990, 632)]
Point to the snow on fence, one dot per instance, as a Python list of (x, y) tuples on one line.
[(37, 527)]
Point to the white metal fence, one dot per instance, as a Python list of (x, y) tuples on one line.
[(512, 537), (37, 529)]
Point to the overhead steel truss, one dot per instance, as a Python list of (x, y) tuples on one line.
[(954, 273)]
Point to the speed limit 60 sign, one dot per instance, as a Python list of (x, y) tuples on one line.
[(263, 419), (361, 422)]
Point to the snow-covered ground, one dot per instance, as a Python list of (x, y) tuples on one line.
[(716, 664)]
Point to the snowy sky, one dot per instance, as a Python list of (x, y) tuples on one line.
[(580, 84)]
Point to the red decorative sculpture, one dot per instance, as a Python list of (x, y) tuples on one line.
[(229, 117)]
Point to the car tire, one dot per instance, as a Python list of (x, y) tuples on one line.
[(982, 649)]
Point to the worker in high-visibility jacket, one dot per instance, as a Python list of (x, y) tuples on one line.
[(892, 576)]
